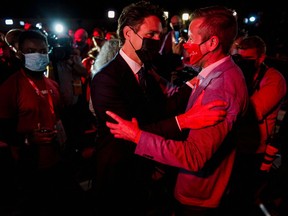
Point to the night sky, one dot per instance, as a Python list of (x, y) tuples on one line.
[(89, 9), (272, 25)]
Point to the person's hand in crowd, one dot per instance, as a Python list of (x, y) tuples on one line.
[(42, 136), (177, 48), (200, 116), (128, 130), (75, 62)]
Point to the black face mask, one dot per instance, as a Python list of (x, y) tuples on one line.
[(149, 51), (248, 67)]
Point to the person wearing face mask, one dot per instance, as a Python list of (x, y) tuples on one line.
[(171, 49), (267, 90), (122, 180), (31, 125), (204, 156), (80, 42)]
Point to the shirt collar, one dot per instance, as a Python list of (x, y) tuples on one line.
[(135, 67), (205, 71)]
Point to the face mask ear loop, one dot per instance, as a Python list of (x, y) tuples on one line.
[(132, 45), (204, 41), (136, 34)]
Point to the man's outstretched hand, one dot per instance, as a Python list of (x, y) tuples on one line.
[(124, 129), (200, 116)]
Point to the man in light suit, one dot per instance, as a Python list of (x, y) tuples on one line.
[(122, 179), (205, 157)]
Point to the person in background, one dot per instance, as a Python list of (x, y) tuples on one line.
[(98, 36), (68, 72), (171, 50), (116, 86), (256, 151), (234, 48), (71, 33), (9, 62), (80, 41), (87, 54), (110, 35), (71, 76), (205, 156), (30, 124), (94, 42), (274, 194)]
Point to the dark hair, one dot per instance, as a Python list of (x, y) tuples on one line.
[(219, 21), (253, 42), (134, 14), (31, 34)]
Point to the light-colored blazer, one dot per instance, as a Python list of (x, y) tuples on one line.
[(206, 156)]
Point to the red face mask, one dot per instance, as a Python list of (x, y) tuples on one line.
[(194, 51)]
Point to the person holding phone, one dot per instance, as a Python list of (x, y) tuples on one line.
[(171, 50)]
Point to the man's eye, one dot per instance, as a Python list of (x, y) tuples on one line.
[(150, 35)]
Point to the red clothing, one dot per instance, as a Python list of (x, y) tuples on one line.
[(267, 103), (19, 100)]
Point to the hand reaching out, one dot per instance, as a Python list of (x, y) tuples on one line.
[(124, 129), (200, 116)]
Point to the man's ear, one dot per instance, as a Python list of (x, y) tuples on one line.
[(214, 42), (127, 32)]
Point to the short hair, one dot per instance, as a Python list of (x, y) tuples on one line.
[(253, 42), (99, 31), (81, 33), (134, 14), (31, 34), (219, 21)]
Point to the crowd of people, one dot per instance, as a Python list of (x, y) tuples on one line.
[(148, 120)]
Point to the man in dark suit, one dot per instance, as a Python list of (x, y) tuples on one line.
[(119, 172)]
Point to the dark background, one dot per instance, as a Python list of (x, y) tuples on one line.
[(97, 9), (272, 23)]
